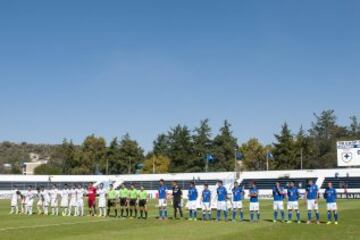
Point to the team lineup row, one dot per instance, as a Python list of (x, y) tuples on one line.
[(72, 201)]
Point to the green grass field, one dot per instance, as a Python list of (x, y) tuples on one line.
[(53, 227)]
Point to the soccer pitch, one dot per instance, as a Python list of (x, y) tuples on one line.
[(88, 228)]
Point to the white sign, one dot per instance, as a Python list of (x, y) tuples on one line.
[(348, 153)]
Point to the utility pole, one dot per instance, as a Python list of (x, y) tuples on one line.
[(129, 165), (267, 161)]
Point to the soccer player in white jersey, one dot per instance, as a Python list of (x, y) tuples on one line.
[(102, 200), (15, 195), (54, 204), (39, 204), (80, 200), (29, 201), (64, 193), (73, 201), (45, 200)]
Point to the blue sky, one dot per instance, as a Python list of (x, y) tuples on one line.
[(72, 68)]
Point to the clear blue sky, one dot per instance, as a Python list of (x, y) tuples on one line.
[(72, 68)]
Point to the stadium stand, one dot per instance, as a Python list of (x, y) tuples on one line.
[(269, 183), (342, 182)]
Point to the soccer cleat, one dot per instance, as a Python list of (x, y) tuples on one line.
[(274, 221), (317, 222), (190, 219), (308, 222), (289, 221), (328, 223), (298, 222), (336, 223), (195, 219)]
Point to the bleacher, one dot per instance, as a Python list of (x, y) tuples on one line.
[(269, 183), (342, 182), (184, 184)]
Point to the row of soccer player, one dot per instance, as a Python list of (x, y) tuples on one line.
[(72, 201), (279, 194)]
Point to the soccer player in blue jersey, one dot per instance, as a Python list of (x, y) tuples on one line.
[(293, 202), (206, 203), (278, 204), (192, 204), (221, 201), (330, 196), (238, 194), (312, 196), (162, 200), (254, 202)]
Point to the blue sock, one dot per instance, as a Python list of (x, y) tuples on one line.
[(282, 215), (309, 215), (190, 213), (258, 215), (290, 216), (194, 214), (298, 215), (209, 215), (218, 215), (160, 213), (204, 216), (275, 215), (317, 216), (329, 216), (225, 215), (251, 216), (234, 215), (241, 215), (335, 216)]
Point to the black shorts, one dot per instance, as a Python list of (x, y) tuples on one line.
[(142, 202), (111, 202), (123, 202), (177, 203), (132, 202)]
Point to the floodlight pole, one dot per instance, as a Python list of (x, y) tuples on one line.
[(301, 158), (267, 161)]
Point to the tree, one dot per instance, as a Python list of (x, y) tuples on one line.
[(254, 155), (284, 149), (325, 132), (161, 145), (46, 169), (354, 129), (202, 146), (181, 150), (156, 164), (129, 154), (224, 146)]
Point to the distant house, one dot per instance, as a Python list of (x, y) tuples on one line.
[(36, 160)]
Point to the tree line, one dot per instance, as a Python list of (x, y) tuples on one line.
[(182, 149)]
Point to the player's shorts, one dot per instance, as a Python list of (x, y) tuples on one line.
[(205, 206), (91, 203), (80, 203), (132, 202), (123, 202), (221, 205), (192, 205), (237, 205), (64, 202), (142, 202), (278, 205), (29, 203), (46, 203), (39, 203), (312, 205), (73, 203), (111, 202), (254, 206), (331, 206), (293, 205), (177, 203), (14, 203), (54, 203), (102, 202), (162, 202)]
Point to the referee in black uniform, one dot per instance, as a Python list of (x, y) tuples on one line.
[(177, 196)]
